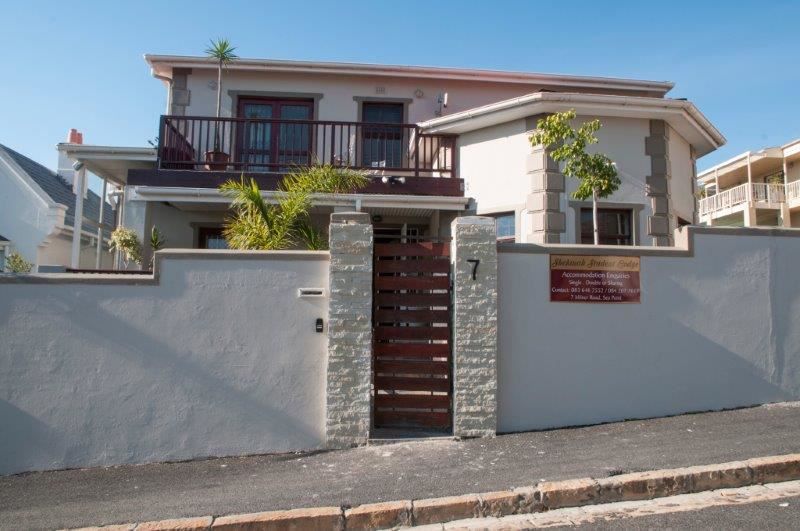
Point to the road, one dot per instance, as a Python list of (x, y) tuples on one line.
[(416, 470)]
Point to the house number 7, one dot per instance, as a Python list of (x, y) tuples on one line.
[(474, 262)]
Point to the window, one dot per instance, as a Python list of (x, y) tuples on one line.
[(614, 225), (382, 145), (267, 145), (211, 238), (506, 227)]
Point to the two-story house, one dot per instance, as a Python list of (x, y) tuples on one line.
[(755, 188), (438, 143)]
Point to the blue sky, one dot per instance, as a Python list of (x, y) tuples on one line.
[(79, 64)]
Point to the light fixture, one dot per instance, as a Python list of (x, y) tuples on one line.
[(386, 179)]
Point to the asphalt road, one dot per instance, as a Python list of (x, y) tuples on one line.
[(761, 515), (75, 498)]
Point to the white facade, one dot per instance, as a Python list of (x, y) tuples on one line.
[(35, 224)]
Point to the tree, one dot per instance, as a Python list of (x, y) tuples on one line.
[(222, 51), (258, 225), (595, 172)]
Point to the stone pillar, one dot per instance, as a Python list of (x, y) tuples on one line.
[(474, 340), (657, 183), (349, 374), (544, 201), (180, 95)]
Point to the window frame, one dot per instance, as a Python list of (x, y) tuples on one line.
[(603, 210)]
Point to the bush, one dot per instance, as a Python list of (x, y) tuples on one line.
[(15, 263)]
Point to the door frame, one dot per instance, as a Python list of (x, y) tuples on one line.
[(276, 102)]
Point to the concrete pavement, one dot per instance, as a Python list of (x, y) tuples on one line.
[(391, 472)]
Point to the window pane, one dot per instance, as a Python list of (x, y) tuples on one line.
[(614, 226), (505, 224)]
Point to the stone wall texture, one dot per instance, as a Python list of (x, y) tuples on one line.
[(349, 374), (474, 327), (657, 183)]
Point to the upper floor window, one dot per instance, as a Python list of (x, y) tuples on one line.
[(614, 224), (382, 145)]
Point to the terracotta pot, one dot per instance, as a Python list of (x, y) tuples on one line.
[(217, 160)]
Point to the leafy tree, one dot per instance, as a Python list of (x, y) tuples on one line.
[(223, 52), (258, 225), (15, 263), (596, 172)]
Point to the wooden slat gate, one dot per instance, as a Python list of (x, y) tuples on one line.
[(411, 351)]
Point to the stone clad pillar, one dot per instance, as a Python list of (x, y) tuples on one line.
[(544, 201), (657, 183), (349, 373), (474, 336)]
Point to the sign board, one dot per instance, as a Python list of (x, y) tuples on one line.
[(600, 279)]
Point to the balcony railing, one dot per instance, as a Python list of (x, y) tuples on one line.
[(766, 195), (793, 191), (275, 146)]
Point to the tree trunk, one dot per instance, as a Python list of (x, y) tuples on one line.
[(219, 89), (594, 218)]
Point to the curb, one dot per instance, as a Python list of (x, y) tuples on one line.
[(544, 496)]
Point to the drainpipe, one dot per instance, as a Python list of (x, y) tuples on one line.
[(100, 228), (77, 223), (168, 81)]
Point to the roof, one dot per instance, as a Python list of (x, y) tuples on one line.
[(60, 191), (162, 65), (681, 115), (788, 151), (3, 238)]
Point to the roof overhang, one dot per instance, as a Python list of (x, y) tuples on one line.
[(111, 162), (210, 196), (162, 66), (760, 161), (681, 115)]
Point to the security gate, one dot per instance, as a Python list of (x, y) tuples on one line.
[(412, 377)]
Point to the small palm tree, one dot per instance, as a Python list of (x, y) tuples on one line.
[(222, 51), (258, 225)]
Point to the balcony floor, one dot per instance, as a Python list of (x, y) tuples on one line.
[(421, 186)]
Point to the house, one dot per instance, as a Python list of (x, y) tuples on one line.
[(438, 142), (38, 215), (755, 188)]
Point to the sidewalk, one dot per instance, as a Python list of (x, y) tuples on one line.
[(391, 472)]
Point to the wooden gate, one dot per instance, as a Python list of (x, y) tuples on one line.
[(411, 346)]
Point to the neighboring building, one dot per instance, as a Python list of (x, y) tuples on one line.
[(431, 138), (38, 215), (760, 188)]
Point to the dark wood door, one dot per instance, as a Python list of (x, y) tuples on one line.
[(269, 140), (412, 369)]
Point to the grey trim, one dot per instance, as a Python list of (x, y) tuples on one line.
[(685, 250), (635, 207), (154, 279), (377, 99), (236, 94)]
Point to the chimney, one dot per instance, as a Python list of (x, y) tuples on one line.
[(65, 163)]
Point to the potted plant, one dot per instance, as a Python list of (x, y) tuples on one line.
[(222, 51)]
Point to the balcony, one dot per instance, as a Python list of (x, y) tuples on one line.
[(204, 152), (749, 195)]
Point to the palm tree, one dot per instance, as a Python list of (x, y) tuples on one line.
[(222, 51), (257, 225)]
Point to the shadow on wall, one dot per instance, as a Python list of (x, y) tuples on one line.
[(107, 391)]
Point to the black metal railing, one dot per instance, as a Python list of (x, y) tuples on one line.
[(276, 145)]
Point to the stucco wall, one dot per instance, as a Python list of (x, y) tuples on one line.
[(218, 357), (714, 330), (492, 162), (682, 178), (337, 92)]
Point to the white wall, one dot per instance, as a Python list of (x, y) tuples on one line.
[(219, 357), (25, 218), (682, 178), (716, 330), (492, 161)]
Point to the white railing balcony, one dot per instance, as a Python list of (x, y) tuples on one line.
[(762, 195), (793, 191)]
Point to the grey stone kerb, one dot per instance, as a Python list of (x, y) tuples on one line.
[(474, 327), (349, 373), (547, 185)]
